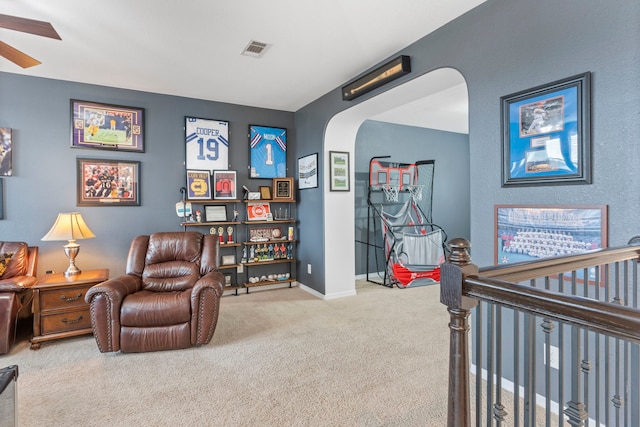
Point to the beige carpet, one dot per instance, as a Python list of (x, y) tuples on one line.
[(278, 358)]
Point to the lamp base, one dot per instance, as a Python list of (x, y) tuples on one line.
[(71, 249), (72, 271)]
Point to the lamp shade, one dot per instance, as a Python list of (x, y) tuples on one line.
[(69, 226)]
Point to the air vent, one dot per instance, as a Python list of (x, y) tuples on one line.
[(255, 49)]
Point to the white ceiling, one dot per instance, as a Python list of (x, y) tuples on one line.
[(193, 48)]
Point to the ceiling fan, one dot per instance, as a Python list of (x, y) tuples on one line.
[(31, 26)]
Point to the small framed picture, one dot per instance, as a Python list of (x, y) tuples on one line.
[(258, 211), (215, 213), (265, 193), (283, 189), (228, 259), (224, 183), (198, 185), (339, 173), (308, 171), (5, 152)]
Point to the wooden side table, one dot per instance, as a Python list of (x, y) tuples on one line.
[(59, 310)]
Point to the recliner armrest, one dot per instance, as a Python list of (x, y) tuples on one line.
[(116, 289), (105, 300), (213, 279)]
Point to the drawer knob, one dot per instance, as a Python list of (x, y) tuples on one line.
[(71, 322), (71, 299)]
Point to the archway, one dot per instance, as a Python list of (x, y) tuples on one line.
[(340, 135)]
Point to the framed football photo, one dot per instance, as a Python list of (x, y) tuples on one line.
[(207, 144), (268, 152)]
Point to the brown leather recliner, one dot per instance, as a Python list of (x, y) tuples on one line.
[(168, 299), (15, 289)]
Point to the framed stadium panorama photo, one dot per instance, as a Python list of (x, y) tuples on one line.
[(531, 232), (108, 182), (105, 126), (268, 152)]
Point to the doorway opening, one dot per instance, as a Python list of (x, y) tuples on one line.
[(341, 134)]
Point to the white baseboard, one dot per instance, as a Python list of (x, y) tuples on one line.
[(325, 297)]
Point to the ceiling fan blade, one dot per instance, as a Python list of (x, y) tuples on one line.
[(17, 57), (31, 26)]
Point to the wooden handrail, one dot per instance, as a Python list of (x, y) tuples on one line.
[(529, 270), (598, 316), (463, 284)]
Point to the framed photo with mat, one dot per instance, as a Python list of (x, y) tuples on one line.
[(308, 171), (106, 126), (224, 185), (102, 182), (198, 185), (546, 134)]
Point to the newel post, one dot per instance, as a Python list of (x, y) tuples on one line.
[(453, 272)]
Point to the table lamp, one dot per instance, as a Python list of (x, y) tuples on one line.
[(71, 227)]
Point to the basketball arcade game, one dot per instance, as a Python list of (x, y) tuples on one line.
[(400, 198)]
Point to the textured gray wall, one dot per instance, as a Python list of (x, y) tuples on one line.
[(504, 46), (44, 181), (500, 47), (407, 144)]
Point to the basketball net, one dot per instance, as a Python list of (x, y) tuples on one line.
[(391, 191), (416, 192)]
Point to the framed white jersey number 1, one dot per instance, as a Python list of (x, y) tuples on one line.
[(207, 144), (268, 147)]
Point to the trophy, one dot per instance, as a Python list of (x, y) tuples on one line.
[(220, 231), (229, 234)]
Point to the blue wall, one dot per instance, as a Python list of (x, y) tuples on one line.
[(44, 165), (408, 144), (502, 47)]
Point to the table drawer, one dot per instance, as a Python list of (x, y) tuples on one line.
[(71, 320), (70, 296)]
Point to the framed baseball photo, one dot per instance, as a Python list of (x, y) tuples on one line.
[(206, 144), (546, 134), (268, 152)]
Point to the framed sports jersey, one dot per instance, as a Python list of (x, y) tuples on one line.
[(104, 182), (268, 152), (207, 144)]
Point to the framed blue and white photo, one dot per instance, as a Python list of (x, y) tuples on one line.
[(268, 152), (546, 136)]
